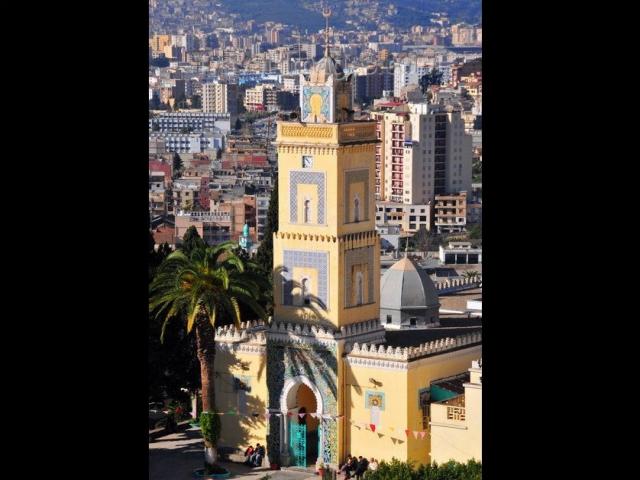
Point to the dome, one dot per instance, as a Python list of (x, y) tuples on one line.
[(405, 286), (324, 69)]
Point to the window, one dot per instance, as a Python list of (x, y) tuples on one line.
[(305, 290), (388, 318), (307, 161), (356, 209), (412, 321), (307, 208), (359, 289)]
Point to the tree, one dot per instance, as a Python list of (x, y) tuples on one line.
[(434, 77), (421, 239), (171, 364), (191, 240), (178, 165), (264, 256), (199, 289), (475, 232), (159, 62), (218, 154), (238, 124)]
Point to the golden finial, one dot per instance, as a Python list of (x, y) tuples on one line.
[(326, 13)]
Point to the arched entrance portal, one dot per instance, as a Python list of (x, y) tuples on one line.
[(303, 431)]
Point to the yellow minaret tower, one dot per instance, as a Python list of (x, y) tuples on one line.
[(326, 249), (326, 277)]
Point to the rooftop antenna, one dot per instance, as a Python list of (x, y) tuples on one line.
[(326, 13)]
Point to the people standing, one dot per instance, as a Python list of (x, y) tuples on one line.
[(363, 463)]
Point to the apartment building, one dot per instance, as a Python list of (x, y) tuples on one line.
[(409, 218), (220, 98), (158, 194), (191, 121), (408, 73), (185, 142), (186, 193), (262, 208), (450, 213), (423, 152)]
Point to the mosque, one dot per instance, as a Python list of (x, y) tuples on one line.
[(350, 362)]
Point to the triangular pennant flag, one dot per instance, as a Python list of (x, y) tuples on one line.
[(391, 428), (407, 432), (422, 435), (301, 415), (373, 427), (415, 434)]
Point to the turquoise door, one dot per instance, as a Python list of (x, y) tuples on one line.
[(298, 443)]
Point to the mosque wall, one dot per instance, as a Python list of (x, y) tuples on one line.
[(396, 386), (241, 387)]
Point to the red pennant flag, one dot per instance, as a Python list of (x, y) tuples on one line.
[(301, 415), (422, 435), (373, 427), (407, 432), (415, 434)]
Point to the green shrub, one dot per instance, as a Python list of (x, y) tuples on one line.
[(210, 427), (452, 470)]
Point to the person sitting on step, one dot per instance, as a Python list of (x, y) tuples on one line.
[(258, 456), (248, 453)]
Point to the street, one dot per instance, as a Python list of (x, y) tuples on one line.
[(175, 456)]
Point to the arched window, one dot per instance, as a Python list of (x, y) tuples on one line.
[(356, 209), (359, 287), (305, 291), (307, 211)]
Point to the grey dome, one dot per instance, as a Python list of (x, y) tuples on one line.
[(322, 70), (406, 286)]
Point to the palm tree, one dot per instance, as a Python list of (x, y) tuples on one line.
[(201, 287), (471, 274)]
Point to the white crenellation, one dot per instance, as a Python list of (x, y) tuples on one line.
[(449, 286), (410, 353)]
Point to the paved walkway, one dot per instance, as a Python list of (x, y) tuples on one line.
[(175, 456)]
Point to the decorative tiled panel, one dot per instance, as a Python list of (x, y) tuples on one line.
[(320, 365), (304, 259), (305, 178), (356, 176), (355, 257)]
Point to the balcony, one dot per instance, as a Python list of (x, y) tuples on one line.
[(449, 412)]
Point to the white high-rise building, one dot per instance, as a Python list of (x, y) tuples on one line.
[(220, 98), (424, 152), (407, 74)]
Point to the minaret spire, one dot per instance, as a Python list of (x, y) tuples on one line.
[(326, 13)]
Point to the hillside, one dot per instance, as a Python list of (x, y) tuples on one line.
[(400, 13)]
